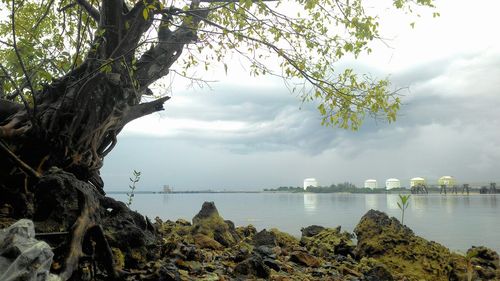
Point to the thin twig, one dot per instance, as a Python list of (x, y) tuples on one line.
[(11, 80), (45, 14), (14, 43), (22, 165)]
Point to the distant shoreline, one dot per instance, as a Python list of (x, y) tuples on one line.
[(474, 192)]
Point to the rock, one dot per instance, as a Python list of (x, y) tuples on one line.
[(285, 240), (265, 251), (22, 257), (253, 266), (378, 273), (311, 230), (190, 252), (183, 222), (210, 277), (485, 263), (327, 242), (205, 242), (246, 231), (208, 222), (403, 253), (264, 238), (167, 272), (191, 266), (208, 210), (305, 259), (241, 254), (271, 263)]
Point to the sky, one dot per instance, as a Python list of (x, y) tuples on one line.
[(247, 133)]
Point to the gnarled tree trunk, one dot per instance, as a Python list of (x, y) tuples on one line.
[(51, 149)]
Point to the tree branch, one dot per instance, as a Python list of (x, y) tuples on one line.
[(20, 60), (20, 163), (93, 12), (44, 15), (155, 63), (112, 21), (144, 109)]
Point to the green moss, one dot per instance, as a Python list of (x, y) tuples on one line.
[(118, 257), (329, 242), (284, 239)]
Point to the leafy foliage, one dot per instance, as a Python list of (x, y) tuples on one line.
[(301, 41)]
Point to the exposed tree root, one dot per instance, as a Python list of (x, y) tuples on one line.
[(94, 225)]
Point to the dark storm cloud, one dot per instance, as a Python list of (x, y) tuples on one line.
[(448, 124)]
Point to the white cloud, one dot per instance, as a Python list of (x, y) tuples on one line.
[(251, 133)]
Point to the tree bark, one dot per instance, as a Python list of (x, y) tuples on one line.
[(51, 150)]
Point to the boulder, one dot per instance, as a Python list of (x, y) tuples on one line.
[(378, 273), (253, 266), (208, 222), (22, 257), (485, 263), (264, 238), (404, 254), (311, 230), (304, 258), (205, 242), (327, 242)]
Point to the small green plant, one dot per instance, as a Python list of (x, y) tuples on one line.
[(403, 204), (136, 176), (470, 267)]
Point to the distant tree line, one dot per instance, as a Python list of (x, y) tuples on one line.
[(347, 187), (286, 189)]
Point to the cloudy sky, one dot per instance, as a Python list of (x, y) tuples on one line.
[(247, 133)]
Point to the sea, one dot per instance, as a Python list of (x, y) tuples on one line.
[(455, 221)]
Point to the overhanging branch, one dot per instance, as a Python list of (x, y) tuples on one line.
[(144, 109), (93, 12)]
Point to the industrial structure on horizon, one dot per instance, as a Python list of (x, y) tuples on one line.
[(392, 183), (310, 182)]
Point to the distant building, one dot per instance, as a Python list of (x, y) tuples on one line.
[(392, 183), (449, 181), (370, 183), (167, 189), (310, 182), (417, 181)]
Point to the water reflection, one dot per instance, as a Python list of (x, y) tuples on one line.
[(448, 202), (165, 198), (419, 205), (392, 201), (371, 202), (310, 202), (490, 199)]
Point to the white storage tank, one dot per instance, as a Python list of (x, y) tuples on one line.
[(310, 182), (392, 183), (417, 181), (371, 183), (447, 180)]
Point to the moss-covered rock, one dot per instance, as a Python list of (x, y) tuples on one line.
[(406, 255), (485, 263), (284, 240), (327, 242), (208, 222)]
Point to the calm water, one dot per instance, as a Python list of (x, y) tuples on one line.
[(457, 222)]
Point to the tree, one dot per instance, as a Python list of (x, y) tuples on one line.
[(74, 73)]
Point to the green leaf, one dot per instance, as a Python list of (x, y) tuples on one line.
[(145, 14)]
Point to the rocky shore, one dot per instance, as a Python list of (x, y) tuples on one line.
[(210, 248)]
